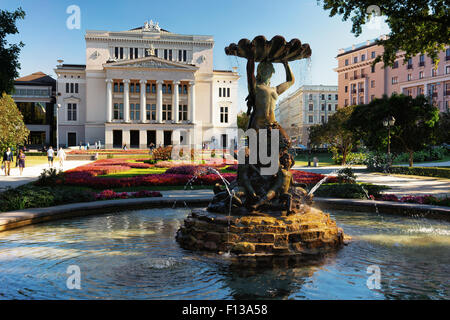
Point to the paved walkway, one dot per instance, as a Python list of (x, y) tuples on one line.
[(401, 185), (32, 173)]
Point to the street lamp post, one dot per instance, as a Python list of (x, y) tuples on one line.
[(389, 122), (57, 106)]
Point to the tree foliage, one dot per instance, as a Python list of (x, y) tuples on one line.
[(12, 128), (417, 26), (443, 128), (335, 133), (9, 54), (242, 121), (414, 129)]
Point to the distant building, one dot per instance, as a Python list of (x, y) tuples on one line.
[(307, 106), (34, 95), (360, 83), (147, 85)]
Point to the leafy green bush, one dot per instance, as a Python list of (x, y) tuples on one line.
[(377, 161), (49, 177), (349, 191), (30, 196), (346, 175), (434, 154), (423, 171), (352, 158)]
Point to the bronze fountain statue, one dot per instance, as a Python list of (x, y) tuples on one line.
[(260, 214)]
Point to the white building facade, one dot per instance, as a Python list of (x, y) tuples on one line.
[(309, 105), (145, 86)]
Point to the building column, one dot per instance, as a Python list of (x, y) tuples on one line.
[(159, 100), (159, 138), (109, 100), (126, 138), (176, 137), (108, 138), (126, 100), (143, 101), (192, 101), (176, 101), (143, 143)]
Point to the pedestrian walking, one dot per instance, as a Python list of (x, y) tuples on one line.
[(50, 155), (8, 157), (21, 160), (61, 156)]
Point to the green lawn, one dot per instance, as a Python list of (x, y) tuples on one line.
[(325, 159), (135, 172)]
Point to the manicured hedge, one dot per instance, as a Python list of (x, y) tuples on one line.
[(423, 171), (349, 191)]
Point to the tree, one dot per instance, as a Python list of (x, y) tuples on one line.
[(443, 128), (242, 120), (12, 128), (9, 54), (417, 26), (335, 133), (414, 129)]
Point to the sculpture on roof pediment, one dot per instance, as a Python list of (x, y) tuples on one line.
[(151, 26)]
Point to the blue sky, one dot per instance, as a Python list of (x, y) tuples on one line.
[(47, 38)]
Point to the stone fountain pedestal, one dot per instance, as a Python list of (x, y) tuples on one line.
[(306, 233)]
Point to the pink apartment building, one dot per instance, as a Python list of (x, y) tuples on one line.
[(360, 83)]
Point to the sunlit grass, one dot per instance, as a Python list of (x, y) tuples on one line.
[(135, 172)]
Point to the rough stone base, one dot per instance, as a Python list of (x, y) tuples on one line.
[(311, 232)]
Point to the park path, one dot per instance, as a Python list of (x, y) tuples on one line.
[(32, 173), (401, 185)]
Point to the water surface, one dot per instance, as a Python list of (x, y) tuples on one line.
[(133, 255)]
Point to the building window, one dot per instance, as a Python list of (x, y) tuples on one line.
[(310, 97), (72, 112), (151, 112), (394, 80), (183, 112), (447, 69), (136, 53), (169, 88), (165, 54), (346, 75), (135, 111), (409, 76), (131, 53), (323, 106), (373, 54), (372, 69), (223, 114), (121, 53), (116, 87), (182, 89), (346, 88), (421, 75), (395, 66), (336, 97), (184, 55), (419, 91), (132, 87), (372, 84), (121, 87), (118, 111), (311, 107), (335, 107), (410, 64), (311, 119), (363, 57), (346, 62), (322, 119), (433, 72), (67, 87), (164, 88), (329, 107), (329, 97), (167, 112), (322, 97), (71, 88), (170, 55), (421, 60), (116, 52), (346, 102), (355, 59)]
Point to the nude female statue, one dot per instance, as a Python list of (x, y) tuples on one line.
[(262, 97)]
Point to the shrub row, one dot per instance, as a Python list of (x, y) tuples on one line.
[(423, 171), (349, 191)]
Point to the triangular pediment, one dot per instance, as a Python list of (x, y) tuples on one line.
[(151, 63)]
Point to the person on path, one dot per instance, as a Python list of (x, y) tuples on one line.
[(8, 157), (62, 157), (50, 155), (21, 160)]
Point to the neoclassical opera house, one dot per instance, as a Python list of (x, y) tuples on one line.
[(146, 85)]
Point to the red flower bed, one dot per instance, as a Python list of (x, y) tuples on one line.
[(110, 194)]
